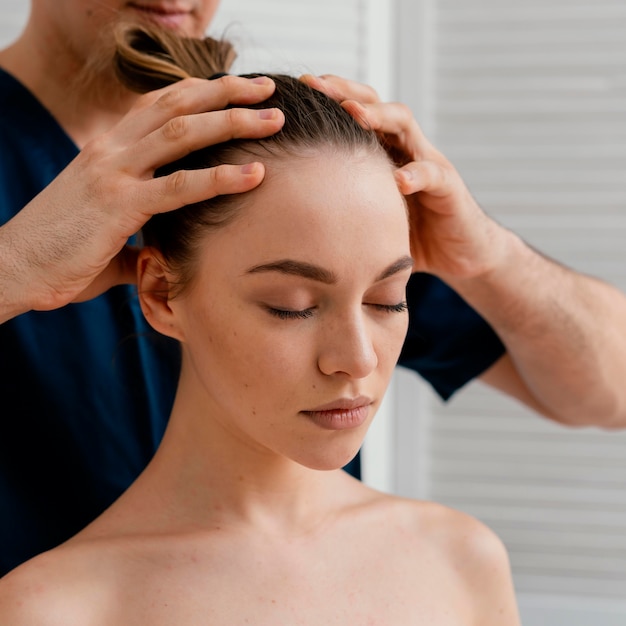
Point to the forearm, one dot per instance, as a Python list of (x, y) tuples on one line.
[(565, 333)]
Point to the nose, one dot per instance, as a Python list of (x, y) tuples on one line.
[(347, 347)]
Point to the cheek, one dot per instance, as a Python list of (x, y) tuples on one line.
[(391, 342), (226, 338)]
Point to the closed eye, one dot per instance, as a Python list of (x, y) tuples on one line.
[(285, 314), (401, 307)]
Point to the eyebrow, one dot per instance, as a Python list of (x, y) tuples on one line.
[(320, 274), (400, 265)]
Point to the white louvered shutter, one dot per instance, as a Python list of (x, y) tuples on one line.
[(529, 101)]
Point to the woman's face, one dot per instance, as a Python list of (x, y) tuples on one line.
[(295, 319)]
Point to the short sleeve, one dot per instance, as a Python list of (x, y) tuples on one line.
[(448, 343)]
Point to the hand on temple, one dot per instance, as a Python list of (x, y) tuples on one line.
[(69, 242), (452, 237)]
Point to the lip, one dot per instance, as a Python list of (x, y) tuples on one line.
[(341, 414), (169, 15)]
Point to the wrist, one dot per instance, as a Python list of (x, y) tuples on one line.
[(499, 275), (488, 257)]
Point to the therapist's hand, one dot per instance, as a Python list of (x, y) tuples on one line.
[(451, 235), (69, 242)]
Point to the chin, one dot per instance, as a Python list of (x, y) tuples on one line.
[(329, 460)]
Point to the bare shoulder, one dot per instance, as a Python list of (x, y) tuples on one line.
[(475, 557), (462, 539), (52, 589), (482, 562), (467, 541)]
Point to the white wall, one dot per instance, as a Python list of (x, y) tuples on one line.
[(12, 18)]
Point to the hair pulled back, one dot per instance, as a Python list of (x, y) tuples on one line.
[(148, 58)]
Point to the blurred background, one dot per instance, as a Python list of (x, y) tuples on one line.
[(528, 100)]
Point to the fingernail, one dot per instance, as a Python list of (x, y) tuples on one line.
[(248, 168), (267, 114), (260, 80), (404, 176)]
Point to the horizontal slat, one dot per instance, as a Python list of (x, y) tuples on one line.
[(587, 14), (574, 563), (601, 542), (511, 510), (563, 582), (557, 494)]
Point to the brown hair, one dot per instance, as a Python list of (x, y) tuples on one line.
[(150, 58), (147, 59)]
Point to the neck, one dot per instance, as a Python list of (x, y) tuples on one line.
[(246, 485), (204, 475), (84, 97)]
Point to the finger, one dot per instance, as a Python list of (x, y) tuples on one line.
[(341, 89), (189, 186), (425, 176), (391, 118), (189, 97), (182, 135)]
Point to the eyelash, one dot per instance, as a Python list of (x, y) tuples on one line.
[(291, 315), (282, 314), (401, 307)]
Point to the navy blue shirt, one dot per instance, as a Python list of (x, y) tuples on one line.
[(86, 390)]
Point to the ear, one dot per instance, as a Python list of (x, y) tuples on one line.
[(154, 284)]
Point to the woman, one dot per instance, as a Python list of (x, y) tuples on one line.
[(289, 306)]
